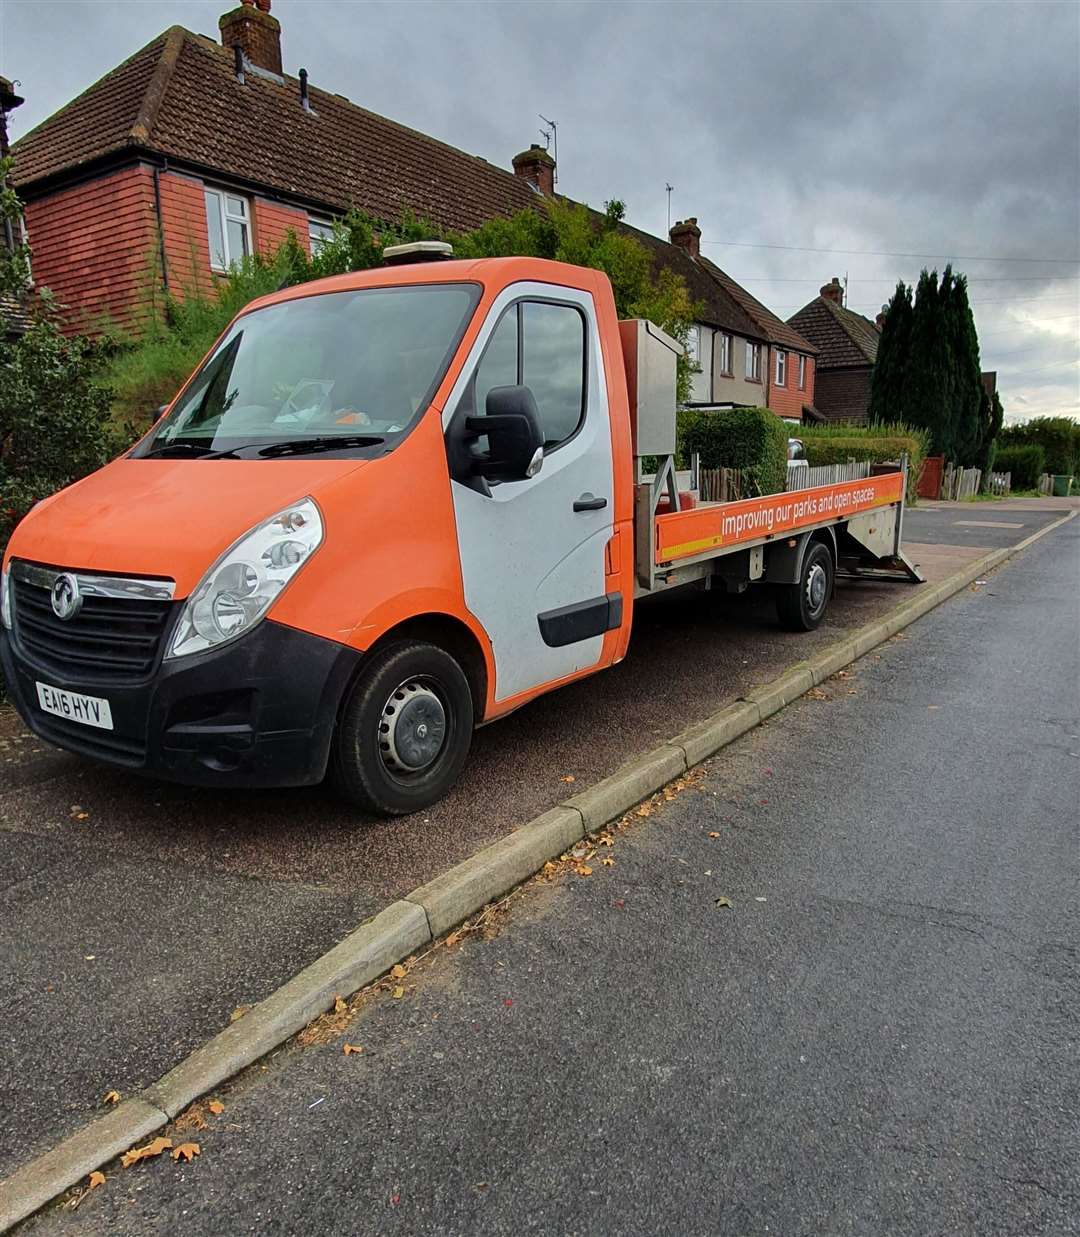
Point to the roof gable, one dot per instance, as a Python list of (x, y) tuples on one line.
[(170, 97), (770, 327), (843, 337)]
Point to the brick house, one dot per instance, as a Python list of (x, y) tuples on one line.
[(747, 354), (847, 346), (191, 154)]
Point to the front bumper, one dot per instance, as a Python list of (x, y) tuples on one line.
[(258, 713)]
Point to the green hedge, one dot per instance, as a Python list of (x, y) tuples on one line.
[(1027, 464), (836, 444), (753, 440), (1059, 438)]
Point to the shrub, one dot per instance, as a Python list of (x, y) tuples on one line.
[(836, 444), (753, 440), (1059, 438), (1026, 463)]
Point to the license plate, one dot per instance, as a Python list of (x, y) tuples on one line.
[(90, 710)]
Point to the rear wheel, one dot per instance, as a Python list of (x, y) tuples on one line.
[(802, 606), (405, 730)]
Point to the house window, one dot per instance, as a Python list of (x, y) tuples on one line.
[(319, 232), (725, 355), (753, 362), (693, 345), (540, 345), (228, 227), (802, 373), (781, 368)]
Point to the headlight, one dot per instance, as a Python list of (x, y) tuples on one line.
[(243, 584), (5, 597)]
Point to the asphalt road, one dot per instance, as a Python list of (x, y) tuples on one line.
[(138, 916), (878, 1035)]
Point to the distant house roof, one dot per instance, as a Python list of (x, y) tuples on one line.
[(171, 97), (770, 327), (843, 337)]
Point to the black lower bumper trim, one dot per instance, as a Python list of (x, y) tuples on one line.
[(257, 713)]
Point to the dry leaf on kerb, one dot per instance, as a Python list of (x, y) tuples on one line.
[(96, 1178), (145, 1153), (111, 1097), (349, 1049), (398, 993), (608, 862), (339, 1005), (714, 834), (188, 1150), (238, 1013), (722, 901), (584, 870), (568, 778), (216, 1107), (398, 971)]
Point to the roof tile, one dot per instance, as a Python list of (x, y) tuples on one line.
[(842, 336)]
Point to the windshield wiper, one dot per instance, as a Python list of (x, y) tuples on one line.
[(205, 453), (309, 446)]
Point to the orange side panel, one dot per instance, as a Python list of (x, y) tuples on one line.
[(685, 534)]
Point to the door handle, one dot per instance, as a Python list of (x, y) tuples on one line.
[(587, 503)]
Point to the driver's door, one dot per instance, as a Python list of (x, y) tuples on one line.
[(533, 551)]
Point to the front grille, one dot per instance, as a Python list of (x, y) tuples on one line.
[(112, 639)]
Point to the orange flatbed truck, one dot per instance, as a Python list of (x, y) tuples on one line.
[(390, 506)]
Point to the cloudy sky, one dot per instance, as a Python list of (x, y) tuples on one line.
[(809, 139)]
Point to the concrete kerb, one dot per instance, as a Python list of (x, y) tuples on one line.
[(427, 912)]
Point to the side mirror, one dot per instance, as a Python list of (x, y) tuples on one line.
[(514, 433)]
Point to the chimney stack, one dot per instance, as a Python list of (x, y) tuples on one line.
[(687, 235), (258, 35), (833, 291), (879, 321), (537, 167)]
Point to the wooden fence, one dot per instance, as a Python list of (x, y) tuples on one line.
[(719, 485), (960, 483), (1000, 483), (1046, 484)]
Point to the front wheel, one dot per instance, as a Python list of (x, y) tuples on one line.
[(802, 606), (405, 730)]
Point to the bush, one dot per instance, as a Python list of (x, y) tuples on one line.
[(753, 440), (836, 444), (1026, 464), (1059, 438)]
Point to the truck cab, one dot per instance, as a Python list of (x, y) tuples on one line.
[(387, 507)]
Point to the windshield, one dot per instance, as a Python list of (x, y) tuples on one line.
[(342, 371)]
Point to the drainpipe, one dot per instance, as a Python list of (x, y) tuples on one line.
[(161, 224)]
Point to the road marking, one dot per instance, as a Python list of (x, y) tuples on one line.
[(987, 524)]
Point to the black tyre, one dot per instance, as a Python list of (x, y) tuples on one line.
[(404, 731), (802, 606)]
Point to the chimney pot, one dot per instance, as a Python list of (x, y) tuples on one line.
[(833, 291), (687, 235), (537, 167), (258, 35)]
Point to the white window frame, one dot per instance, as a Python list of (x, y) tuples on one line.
[(802, 372), (753, 362), (727, 347), (226, 217), (781, 367), (316, 226), (693, 344)]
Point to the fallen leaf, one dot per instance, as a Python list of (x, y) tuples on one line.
[(398, 993), (606, 839), (349, 1049), (398, 971), (111, 1097), (583, 870), (722, 901), (238, 1013), (216, 1107), (188, 1150), (620, 902), (568, 778), (714, 834), (608, 862), (339, 1005), (145, 1153), (96, 1178), (454, 937)]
